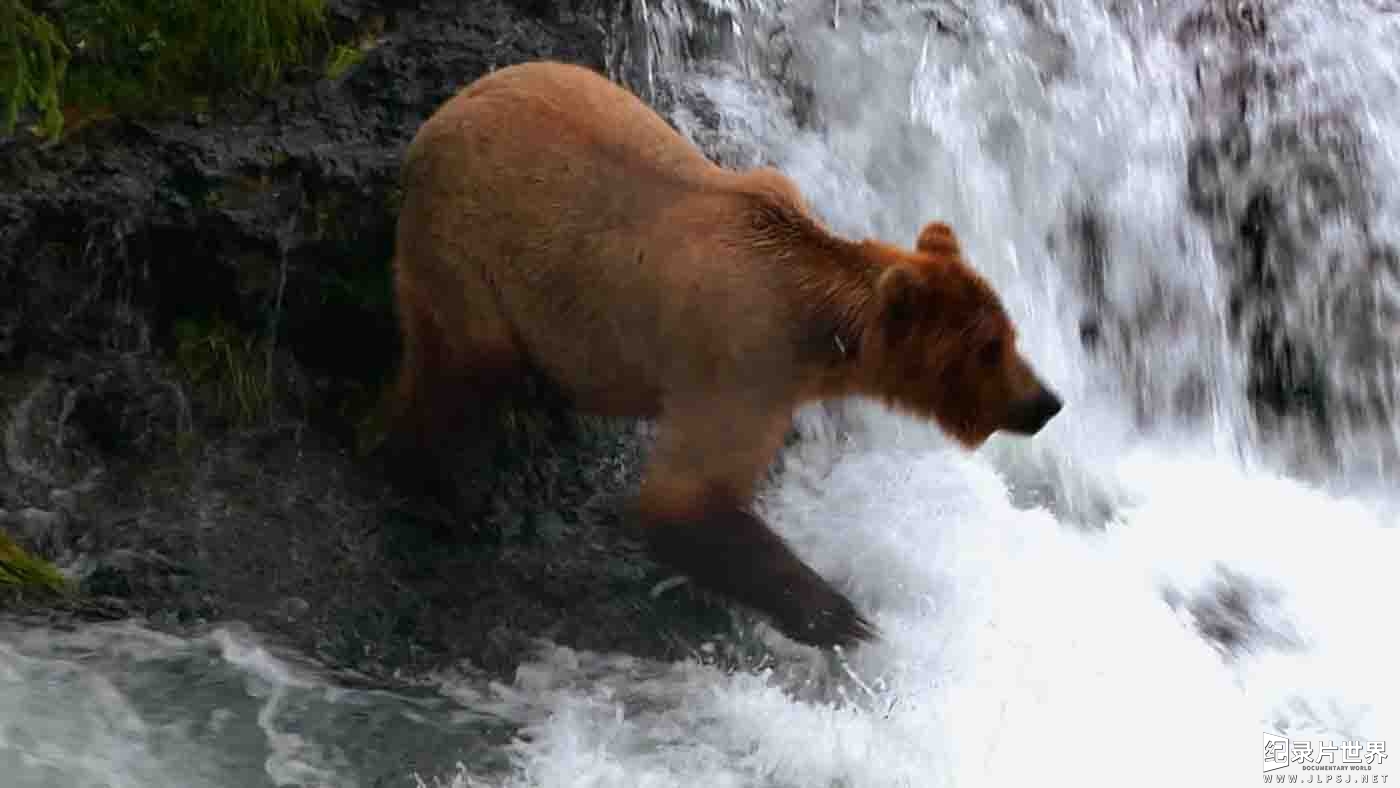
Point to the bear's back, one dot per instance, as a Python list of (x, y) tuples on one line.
[(547, 147), (554, 100)]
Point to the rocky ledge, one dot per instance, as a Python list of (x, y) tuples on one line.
[(194, 328)]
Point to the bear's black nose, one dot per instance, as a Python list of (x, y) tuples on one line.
[(1050, 405), (1033, 414)]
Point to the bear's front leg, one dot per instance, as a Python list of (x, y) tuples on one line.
[(695, 519)]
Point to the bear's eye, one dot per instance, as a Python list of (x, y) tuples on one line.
[(990, 353)]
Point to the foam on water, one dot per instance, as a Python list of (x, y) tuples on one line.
[(1013, 648), (121, 705)]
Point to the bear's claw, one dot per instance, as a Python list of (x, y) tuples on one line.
[(731, 552), (834, 623)]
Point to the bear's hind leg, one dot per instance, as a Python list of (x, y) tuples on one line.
[(695, 519), (450, 384)]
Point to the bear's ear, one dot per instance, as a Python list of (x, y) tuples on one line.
[(937, 238), (902, 296)]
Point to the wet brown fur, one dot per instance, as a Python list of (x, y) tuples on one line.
[(553, 223)]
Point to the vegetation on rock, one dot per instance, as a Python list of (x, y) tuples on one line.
[(32, 63), (229, 365), (97, 57), (343, 58), (22, 572)]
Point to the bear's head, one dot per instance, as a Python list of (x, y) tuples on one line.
[(945, 347)]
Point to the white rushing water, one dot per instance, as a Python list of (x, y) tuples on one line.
[(1135, 596)]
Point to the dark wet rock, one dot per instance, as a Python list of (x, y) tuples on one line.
[(1214, 165), (1304, 181), (1286, 376), (1225, 22), (1237, 615), (40, 531), (127, 409), (194, 328), (65, 500), (127, 573), (1279, 178), (293, 608)]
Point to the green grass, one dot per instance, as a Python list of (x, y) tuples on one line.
[(98, 57), (342, 59), (227, 364), (33, 59), (20, 571)]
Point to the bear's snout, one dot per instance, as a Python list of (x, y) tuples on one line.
[(1032, 414)]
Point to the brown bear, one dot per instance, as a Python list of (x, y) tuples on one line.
[(554, 225)]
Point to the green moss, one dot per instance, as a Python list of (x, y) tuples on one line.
[(134, 56), (342, 59), (366, 287), (138, 52), (20, 571), (32, 64), (228, 366), (393, 200)]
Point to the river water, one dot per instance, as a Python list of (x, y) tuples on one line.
[(1190, 209)]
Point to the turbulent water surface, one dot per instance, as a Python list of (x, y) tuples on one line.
[(1190, 208)]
